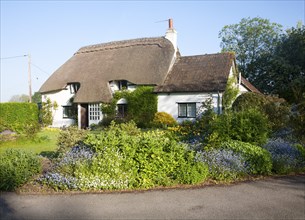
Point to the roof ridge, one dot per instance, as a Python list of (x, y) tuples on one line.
[(207, 54), (121, 44)]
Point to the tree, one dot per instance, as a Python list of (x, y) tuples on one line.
[(36, 98), (288, 66), (250, 39), (19, 98)]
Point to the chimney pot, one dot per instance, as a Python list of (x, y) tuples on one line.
[(170, 23)]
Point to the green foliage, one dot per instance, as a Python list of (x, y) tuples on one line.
[(286, 157), (250, 39), (17, 167), (164, 120), (249, 100), (271, 60), (248, 126), (142, 106), (230, 93), (46, 112), (277, 110), (286, 67), (19, 117), (257, 158), (19, 98), (298, 122), (150, 158), (36, 98), (69, 137)]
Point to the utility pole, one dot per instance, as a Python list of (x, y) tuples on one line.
[(29, 78)]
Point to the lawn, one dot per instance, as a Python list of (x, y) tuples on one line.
[(44, 143)]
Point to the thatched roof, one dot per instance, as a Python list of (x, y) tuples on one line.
[(249, 86), (142, 61), (203, 73)]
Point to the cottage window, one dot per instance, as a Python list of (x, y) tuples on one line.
[(68, 111), (94, 112), (187, 110), (122, 84), (122, 110), (74, 87)]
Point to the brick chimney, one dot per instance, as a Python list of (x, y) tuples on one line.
[(171, 34)]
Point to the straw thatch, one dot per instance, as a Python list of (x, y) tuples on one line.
[(249, 86), (142, 61), (203, 73)]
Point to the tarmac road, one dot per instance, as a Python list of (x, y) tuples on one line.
[(274, 198)]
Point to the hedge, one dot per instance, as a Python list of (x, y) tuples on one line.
[(18, 117)]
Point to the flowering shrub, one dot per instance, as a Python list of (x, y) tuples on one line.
[(258, 159), (163, 119), (81, 168), (224, 164), (285, 156), (122, 157)]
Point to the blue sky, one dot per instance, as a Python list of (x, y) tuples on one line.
[(52, 31)]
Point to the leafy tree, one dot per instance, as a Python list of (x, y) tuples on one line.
[(270, 59), (286, 70), (36, 98), (19, 98), (250, 39)]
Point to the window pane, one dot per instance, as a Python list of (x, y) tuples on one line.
[(181, 110), (191, 110)]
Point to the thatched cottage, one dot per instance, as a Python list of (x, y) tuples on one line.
[(92, 75)]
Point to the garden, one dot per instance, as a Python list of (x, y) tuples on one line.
[(257, 136)]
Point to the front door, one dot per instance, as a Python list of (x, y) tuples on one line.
[(84, 116)]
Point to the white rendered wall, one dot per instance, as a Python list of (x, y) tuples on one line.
[(62, 98), (169, 102)]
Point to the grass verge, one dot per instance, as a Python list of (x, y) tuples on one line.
[(44, 143)]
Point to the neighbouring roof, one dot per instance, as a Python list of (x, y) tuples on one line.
[(248, 85), (203, 73), (143, 61)]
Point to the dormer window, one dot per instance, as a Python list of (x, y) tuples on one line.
[(74, 87), (122, 84)]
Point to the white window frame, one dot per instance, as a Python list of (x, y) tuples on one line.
[(94, 112), (187, 110)]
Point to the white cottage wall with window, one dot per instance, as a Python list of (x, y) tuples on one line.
[(62, 98), (181, 105)]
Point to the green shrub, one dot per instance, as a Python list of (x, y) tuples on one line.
[(258, 159), (142, 106), (164, 120), (46, 112), (69, 137), (16, 168), (298, 121), (19, 117), (247, 126), (249, 100), (122, 157), (276, 109), (230, 93)]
